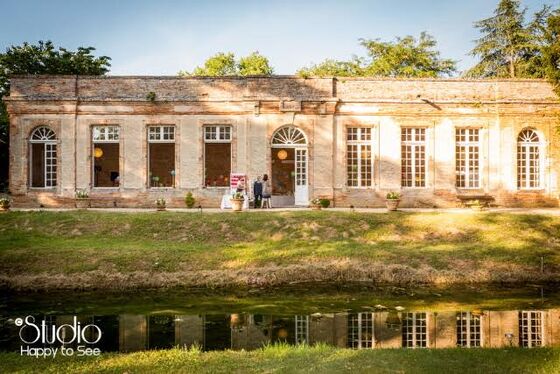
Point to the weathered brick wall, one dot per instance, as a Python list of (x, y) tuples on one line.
[(256, 107)]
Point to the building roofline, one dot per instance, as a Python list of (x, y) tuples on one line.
[(295, 77)]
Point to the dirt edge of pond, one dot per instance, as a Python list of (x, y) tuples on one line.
[(274, 276)]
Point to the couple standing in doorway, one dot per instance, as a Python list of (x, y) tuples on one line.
[(263, 192)]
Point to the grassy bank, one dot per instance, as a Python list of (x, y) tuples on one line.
[(284, 359), (126, 250)]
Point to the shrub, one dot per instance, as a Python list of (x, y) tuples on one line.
[(393, 195), (82, 194), (189, 200), (325, 203)]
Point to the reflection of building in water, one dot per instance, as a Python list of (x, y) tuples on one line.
[(387, 329)]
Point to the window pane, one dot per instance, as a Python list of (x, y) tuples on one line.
[(413, 157), (106, 165), (37, 165), (162, 164), (217, 164)]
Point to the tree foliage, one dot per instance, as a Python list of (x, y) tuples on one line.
[(551, 50), (254, 64), (404, 57), (509, 46), (45, 58), (41, 58), (224, 64)]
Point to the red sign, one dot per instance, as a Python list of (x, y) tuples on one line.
[(235, 179)]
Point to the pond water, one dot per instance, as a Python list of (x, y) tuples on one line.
[(354, 316)]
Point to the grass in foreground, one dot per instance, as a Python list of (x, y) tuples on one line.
[(418, 246), (286, 359)]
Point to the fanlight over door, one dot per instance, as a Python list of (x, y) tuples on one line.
[(287, 136)]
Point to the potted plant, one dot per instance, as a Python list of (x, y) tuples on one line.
[(315, 204), (189, 200), (4, 204), (161, 204), (325, 203), (237, 200), (82, 199), (392, 201)]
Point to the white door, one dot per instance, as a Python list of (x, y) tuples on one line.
[(301, 193)]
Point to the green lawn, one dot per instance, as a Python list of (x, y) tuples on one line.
[(100, 249), (285, 359)]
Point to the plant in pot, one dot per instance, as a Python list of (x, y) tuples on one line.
[(392, 201), (237, 200), (325, 203), (82, 199), (4, 204), (315, 204), (161, 204), (189, 200), (476, 205)]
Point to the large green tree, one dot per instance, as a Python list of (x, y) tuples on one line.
[(224, 64), (40, 58), (509, 46), (404, 57), (551, 50)]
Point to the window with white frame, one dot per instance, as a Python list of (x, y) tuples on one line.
[(530, 329), (42, 158), (217, 155), (467, 158), (360, 330), (217, 133), (413, 157), (106, 156), (359, 157), (528, 160), (302, 329), (161, 156), (469, 332), (414, 330)]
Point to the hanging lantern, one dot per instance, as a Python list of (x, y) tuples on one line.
[(97, 152), (282, 154)]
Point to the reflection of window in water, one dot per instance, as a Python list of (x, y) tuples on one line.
[(282, 330), (530, 329), (360, 330), (302, 329), (414, 330), (217, 332), (468, 329), (161, 332)]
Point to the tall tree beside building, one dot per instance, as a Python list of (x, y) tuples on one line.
[(404, 57), (509, 47), (224, 64), (551, 50), (40, 58)]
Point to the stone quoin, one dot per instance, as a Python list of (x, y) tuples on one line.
[(130, 140)]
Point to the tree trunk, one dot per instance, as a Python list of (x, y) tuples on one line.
[(511, 68)]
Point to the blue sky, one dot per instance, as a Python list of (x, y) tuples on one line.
[(160, 37)]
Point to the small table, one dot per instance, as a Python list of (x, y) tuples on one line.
[(226, 203)]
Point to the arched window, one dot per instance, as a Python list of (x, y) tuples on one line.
[(288, 135), (42, 160), (528, 160)]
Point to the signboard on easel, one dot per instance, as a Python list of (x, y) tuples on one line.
[(235, 179)]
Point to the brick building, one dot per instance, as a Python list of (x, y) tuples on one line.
[(129, 140)]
